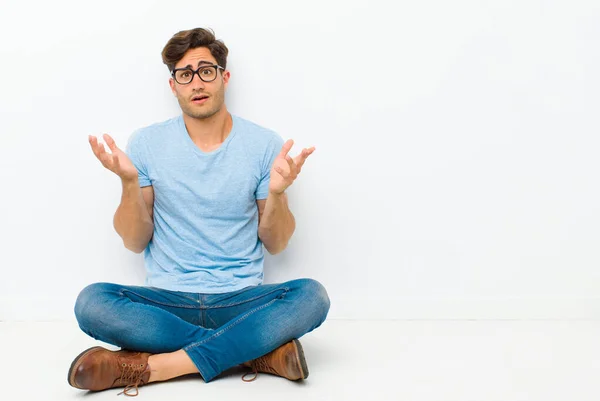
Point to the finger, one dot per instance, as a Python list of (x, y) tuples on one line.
[(91, 140), (280, 171), (115, 162), (107, 160), (97, 144), (100, 151), (95, 147), (301, 158), (293, 167), (110, 142), (290, 161), (285, 149)]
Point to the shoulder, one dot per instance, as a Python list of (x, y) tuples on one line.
[(153, 134), (157, 129), (256, 135)]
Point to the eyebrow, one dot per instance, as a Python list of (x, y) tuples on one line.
[(200, 63)]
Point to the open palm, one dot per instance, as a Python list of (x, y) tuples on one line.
[(285, 169), (116, 161)]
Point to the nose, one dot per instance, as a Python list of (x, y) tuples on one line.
[(197, 82)]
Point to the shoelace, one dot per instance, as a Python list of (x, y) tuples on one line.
[(258, 365), (132, 378)]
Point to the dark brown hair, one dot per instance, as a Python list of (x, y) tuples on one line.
[(183, 41)]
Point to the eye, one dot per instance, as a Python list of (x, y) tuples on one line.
[(185, 74)]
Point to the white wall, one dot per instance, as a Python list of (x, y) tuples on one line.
[(456, 171)]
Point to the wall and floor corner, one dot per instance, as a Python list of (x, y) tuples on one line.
[(450, 209)]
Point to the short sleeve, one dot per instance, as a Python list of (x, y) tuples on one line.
[(136, 150), (271, 152)]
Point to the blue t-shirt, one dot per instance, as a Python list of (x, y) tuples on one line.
[(205, 214)]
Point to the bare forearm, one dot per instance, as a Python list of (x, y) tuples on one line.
[(277, 223), (132, 220)]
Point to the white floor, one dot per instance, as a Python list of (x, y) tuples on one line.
[(351, 360)]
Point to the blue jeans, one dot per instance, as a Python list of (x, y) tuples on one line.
[(217, 331)]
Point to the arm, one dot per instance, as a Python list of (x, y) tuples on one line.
[(133, 219), (276, 223)]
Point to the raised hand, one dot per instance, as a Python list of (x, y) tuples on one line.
[(116, 161), (285, 169)]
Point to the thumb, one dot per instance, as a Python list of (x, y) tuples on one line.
[(286, 148)]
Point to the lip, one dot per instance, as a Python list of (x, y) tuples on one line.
[(199, 96), (200, 101)]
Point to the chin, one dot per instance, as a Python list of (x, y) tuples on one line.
[(205, 114), (201, 114)]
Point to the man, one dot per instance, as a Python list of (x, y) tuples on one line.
[(202, 193)]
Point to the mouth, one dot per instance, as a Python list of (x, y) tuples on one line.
[(199, 99)]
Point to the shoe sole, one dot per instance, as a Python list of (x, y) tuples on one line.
[(75, 365), (301, 359)]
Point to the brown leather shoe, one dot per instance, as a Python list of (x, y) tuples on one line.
[(99, 369), (286, 361)]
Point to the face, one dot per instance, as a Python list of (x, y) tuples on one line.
[(212, 93)]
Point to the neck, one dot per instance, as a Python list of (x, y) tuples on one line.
[(211, 131)]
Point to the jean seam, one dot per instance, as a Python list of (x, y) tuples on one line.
[(123, 291), (202, 310), (235, 323), (285, 290)]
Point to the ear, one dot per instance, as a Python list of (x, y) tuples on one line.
[(172, 85), (226, 76)]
